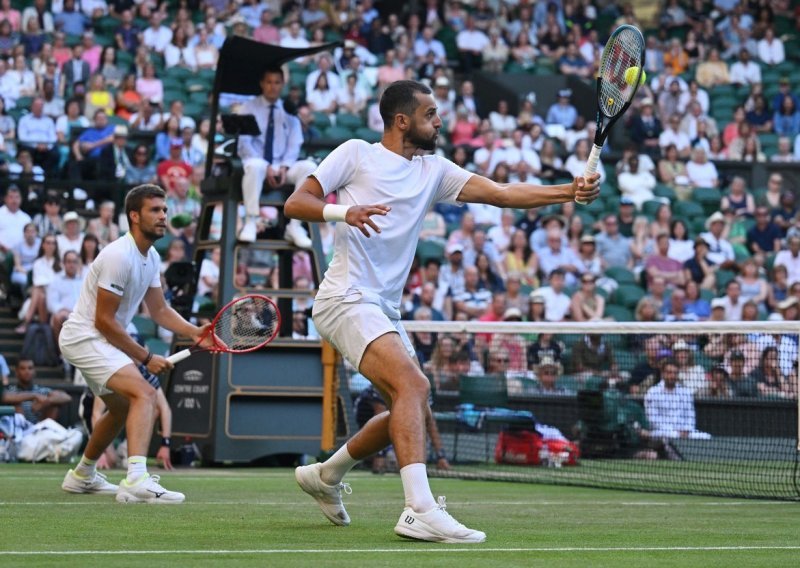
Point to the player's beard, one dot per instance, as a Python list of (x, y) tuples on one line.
[(421, 141), (152, 234)]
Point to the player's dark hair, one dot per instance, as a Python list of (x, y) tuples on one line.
[(272, 71), (400, 98), (134, 201)]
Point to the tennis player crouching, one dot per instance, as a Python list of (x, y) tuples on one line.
[(94, 340), (384, 191)]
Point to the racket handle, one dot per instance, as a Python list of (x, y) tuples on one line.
[(591, 165), (179, 356)]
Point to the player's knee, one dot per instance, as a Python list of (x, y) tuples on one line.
[(146, 394), (416, 385)]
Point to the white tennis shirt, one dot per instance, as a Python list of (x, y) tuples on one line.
[(122, 270), (376, 268)]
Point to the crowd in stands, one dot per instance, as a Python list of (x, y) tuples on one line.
[(116, 92)]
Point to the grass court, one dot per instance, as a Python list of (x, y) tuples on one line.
[(259, 517)]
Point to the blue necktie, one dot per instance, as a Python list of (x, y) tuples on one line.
[(270, 134)]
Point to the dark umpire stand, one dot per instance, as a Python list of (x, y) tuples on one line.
[(285, 398)]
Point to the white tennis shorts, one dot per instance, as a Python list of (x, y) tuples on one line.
[(350, 325), (97, 360)]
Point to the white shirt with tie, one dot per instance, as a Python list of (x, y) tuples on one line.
[(287, 139)]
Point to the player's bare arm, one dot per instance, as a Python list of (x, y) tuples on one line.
[(526, 195), (165, 316), (307, 203)]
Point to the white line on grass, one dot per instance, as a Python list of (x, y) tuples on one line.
[(462, 503), (398, 550)]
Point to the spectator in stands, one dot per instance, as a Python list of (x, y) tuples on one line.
[(676, 60), (681, 247), (700, 171), (562, 112), (674, 136), (770, 48), (178, 53), (764, 236), (173, 168), (452, 277), (62, 293), (151, 87), (770, 380), (790, 259), (778, 288), (745, 71), (38, 10), (573, 63), (557, 303), (783, 216), (206, 54), (103, 226), (148, 118), (428, 43), (555, 255), (661, 265), (43, 402), (24, 255), (787, 118), (473, 300), (49, 221), (98, 97), (114, 161), (784, 153), (22, 76), (645, 128), (45, 267), (759, 116), (635, 183), (321, 98), (670, 407), (646, 372), (675, 308), (741, 384), (521, 259), (37, 133), (523, 52), (495, 52), (745, 146), (72, 237), (721, 252), (471, 43), (699, 269), (733, 301), (87, 148), (142, 169), (614, 248), (157, 37), (587, 304), (127, 36), (719, 385), (12, 225), (547, 373), (13, 16), (738, 198)]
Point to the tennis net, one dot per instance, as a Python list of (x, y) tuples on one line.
[(705, 408)]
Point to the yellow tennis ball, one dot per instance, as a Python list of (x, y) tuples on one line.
[(630, 76)]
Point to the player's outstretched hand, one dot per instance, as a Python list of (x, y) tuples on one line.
[(359, 217), (586, 189)]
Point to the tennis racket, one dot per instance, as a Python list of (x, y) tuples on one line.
[(624, 49), (242, 325)]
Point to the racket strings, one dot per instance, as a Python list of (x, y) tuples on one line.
[(247, 323), (623, 51)]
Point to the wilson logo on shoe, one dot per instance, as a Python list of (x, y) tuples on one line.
[(409, 520)]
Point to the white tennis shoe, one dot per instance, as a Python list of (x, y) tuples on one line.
[(329, 497), (98, 484), (249, 232), (297, 235), (147, 490), (437, 525)]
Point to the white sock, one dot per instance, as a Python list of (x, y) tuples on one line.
[(416, 487), (86, 468), (137, 468), (336, 467)]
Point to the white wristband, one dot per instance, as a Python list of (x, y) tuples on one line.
[(335, 212)]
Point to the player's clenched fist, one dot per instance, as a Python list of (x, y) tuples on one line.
[(359, 217), (586, 189)]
